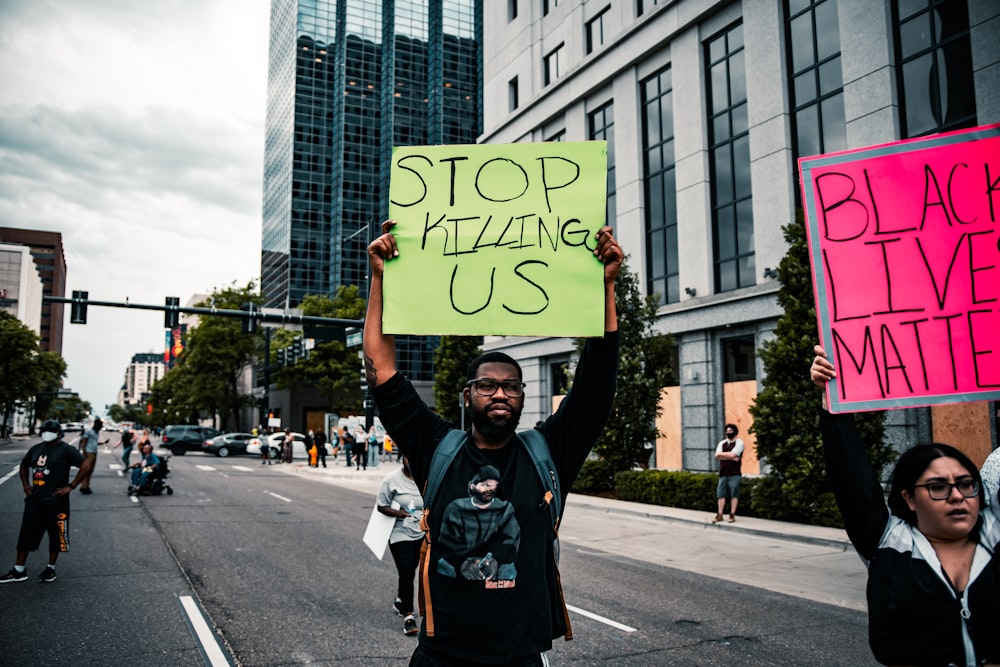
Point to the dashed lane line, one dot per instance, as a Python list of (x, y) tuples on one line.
[(600, 619), (272, 493), (207, 642)]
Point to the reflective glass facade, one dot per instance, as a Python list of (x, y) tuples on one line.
[(347, 81)]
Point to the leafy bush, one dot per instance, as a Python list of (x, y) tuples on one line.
[(596, 476), (686, 490)]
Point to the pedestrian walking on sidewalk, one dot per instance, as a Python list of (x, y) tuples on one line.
[(729, 453), (400, 498), (44, 473), (471, 615), (932, 557)]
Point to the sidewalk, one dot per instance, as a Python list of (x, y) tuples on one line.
[(370, 479)]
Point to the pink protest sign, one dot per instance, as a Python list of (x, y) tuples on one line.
[(904, 243)]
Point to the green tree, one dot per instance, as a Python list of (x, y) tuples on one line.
[(129, 413), (451, 365), (50, 368), (786, 412), (332, 367), (643, 370), (217, 355), (68, 409), (30, 376)]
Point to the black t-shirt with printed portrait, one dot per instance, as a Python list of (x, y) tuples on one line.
[(48, 465)]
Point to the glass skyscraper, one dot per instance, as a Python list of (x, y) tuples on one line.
[(347, 81)]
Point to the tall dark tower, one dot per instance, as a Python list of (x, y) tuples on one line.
[(348, 80)]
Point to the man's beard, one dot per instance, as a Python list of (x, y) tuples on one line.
[(493, 430)]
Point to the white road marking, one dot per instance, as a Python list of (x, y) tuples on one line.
[(271, 493), (214, 656), (12, 473), (600, 619), (242, 468), (134, 499), (115, 466), (205, 468)]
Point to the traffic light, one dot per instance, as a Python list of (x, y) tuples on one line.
[(282, 356), (249, 320), (297, 348), (171, 316), (78, 311)]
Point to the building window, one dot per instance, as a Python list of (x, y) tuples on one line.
[(729, 162), (548, 5), (601, 126), (558, 136), (642, 5), (934, 66), (738, 359), (661, 190), (817, 83), (552, 65), (511, 10), (512, 95), (595, 30)]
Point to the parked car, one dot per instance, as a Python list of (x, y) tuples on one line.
[(179, 438), (227, 444), (73, 426), (274, 442)]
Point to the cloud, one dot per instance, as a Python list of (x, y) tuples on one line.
[(135, 130)]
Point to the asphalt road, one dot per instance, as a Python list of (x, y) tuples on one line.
[(272, 563)]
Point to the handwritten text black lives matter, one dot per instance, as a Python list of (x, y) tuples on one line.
[(910, 259), (548, 182)]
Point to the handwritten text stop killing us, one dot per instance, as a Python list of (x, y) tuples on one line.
[(913, 275), (499, 204)]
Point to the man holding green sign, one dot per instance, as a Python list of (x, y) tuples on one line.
[(498, 604)]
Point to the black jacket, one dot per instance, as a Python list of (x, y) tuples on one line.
[(915, 617)]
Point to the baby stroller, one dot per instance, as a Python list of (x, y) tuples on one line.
[(154, 483)]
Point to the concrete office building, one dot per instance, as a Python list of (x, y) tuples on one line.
[(347, 81), (706, 106), (143, 371), (50, 262), (20, 285)]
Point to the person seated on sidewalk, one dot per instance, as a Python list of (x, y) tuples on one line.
[(142, 470), (932, 557)]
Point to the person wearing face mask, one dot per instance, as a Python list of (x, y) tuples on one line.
[(729, 452), (44, 475)]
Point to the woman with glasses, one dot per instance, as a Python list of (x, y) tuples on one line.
[(933, 569)]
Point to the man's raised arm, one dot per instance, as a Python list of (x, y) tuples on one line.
[(380, 348)]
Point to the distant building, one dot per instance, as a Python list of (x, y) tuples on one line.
[(347, 81), (145, 369), (47, 253), (706, 106), (20, 285)]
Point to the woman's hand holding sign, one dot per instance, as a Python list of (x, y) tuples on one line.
[(382, 248)]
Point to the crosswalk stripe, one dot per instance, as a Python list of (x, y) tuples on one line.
[(205, 468)]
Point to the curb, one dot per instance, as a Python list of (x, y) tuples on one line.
[(794, 532)]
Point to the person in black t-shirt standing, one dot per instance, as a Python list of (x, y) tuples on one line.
[(45, 477)]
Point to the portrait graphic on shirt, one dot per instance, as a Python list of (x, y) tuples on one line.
[(479, 535)]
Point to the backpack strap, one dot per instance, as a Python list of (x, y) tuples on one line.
[(441, 461), (538, 449)]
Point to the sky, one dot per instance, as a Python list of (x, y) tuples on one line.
[(136, 129)]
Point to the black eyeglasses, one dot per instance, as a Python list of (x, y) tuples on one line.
[(941, 490), (488, 387)]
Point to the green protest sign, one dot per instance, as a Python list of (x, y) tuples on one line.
[(497, 240)]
